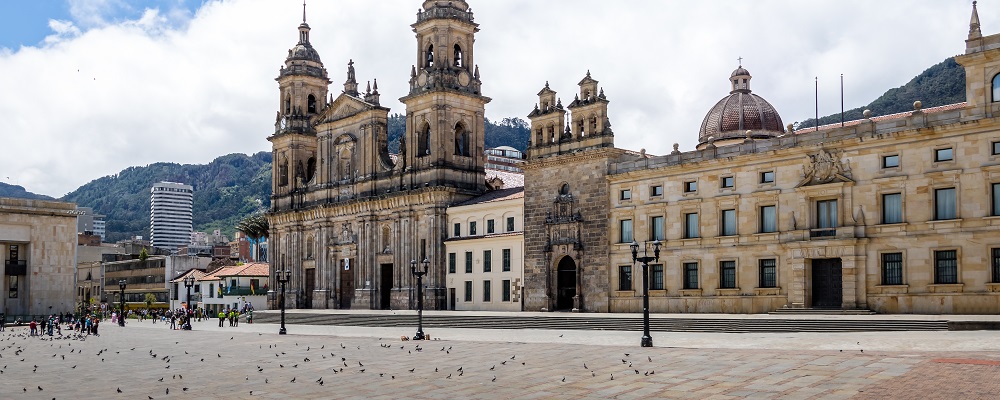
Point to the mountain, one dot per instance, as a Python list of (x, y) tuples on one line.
[(225, 190), (939, 85), (20, 193)]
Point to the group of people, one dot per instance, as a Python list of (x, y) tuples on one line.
[(53, 324), (233, 316)]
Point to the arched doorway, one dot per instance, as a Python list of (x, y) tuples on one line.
[(565, 284)]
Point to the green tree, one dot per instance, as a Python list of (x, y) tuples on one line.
[(256, 227), (143, 255), (150, 299)]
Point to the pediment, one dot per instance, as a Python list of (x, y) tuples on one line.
[(344, 106)]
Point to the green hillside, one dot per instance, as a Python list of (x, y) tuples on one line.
[(19, 192), (226, 190), (939, 85)]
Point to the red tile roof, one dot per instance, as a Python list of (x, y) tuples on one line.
[(495, 196), (510, 179), (251, 269)]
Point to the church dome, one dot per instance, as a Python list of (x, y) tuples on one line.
[(740, 112), (304, 51)]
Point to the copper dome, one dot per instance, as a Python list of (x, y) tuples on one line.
[(739, 112)]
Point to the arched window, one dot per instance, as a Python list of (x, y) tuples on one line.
[(430, 56), (996, 88), (458, 56), (288, 105), (424, 141), (344, 165), (461, 141), (312, 104), (309, 248), (386, 240), (283, 173), (593, 125), (564, 190), (310, 169)]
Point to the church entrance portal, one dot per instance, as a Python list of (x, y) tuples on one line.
[(565, 284), (827, 283), (385, 287), (346, 284), (310, 286)]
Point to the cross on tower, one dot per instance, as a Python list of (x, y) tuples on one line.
[(741, 61)]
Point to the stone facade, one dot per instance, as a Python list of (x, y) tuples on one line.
[(897, 214), (347, 216), (38, 247)]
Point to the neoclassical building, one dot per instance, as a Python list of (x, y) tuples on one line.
[(347, 216), (896, 214)]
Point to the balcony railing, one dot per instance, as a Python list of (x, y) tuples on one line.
[(243, 291), (16, 267)]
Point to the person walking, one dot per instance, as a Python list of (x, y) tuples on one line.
[(3, 322), (33, 327), (173, 321)]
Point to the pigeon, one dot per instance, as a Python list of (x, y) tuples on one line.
[(119, 390), (39, 388), (585, 366), (650, 359), (564, 379), (293, 380), (491, 368), (184, 389), (494, 378), (160, 380), (168, 390)]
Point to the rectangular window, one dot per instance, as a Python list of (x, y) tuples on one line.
[(626, 231), (487, 292), (13, 250), (727, 275), (656, 228), (892, 269), (468, 262), (996, 200), (656, 277), (690, 275), (995, 278), (892, 208), (826, 218), (510, 224), (890, 161), (211, 290), (728, 223), (656, 190), (452, 262), (506, 260), (12, 286), (505, 290), (767, 177), (996, 148), (944, 204), (490, 227), (946, 267), (626, 194), (472, 228), (468, 291), (625, 277), (768, 219), (690, 186), (768, 273), (487, 260), (728, 182), (691, 226), (458, 230), (943, 155)]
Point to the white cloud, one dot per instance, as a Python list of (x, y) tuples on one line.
[(104, 94)]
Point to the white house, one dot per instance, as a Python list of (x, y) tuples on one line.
[(235, 287)]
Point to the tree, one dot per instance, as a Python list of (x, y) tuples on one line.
[(256, 227), (150, 299), (143, 255)]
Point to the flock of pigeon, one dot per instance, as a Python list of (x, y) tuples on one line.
[(273, 365)]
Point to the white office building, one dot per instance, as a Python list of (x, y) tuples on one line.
[(170, 215)]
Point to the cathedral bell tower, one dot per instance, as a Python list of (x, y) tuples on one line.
[(303, 84), (445, 121)]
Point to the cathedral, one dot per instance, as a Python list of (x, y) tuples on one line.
[(347, 216)]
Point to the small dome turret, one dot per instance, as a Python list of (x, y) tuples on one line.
[(741, 111)]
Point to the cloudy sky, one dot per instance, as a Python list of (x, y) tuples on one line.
[(90, 87)]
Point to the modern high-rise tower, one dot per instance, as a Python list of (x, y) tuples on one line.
[(170, 215)]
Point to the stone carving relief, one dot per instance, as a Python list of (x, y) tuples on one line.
[(346, 235), (826, 167)]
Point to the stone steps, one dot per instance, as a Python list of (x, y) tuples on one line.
[(819, 311), (718, 325)]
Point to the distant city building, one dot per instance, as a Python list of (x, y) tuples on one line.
[(171, 215), (89, 221), (505, 158), (37, 243)]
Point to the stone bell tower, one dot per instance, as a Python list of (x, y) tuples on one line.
[(445, 121), (303, 84)]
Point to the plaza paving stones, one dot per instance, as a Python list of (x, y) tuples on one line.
[(250, 361)]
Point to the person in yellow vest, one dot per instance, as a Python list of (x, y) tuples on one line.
[(222, 318)]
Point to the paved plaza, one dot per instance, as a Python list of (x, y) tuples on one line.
[(251, 361)]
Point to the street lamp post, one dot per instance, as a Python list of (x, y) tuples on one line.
[(283, 278), (188, 283), (420, 295), (647, 340), (121, 318)]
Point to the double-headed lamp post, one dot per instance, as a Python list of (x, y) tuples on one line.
[(121, 318), (420, 294), (283, 278), (647, 340), (188, 283)]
